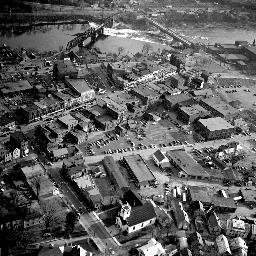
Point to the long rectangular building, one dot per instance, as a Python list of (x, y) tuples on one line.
[(139, 170), (188, 167), (114, 173)]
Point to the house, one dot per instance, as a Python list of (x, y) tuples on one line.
[(222, 246), (214, 223), (238, 246), (223, 204), (180, 216), (67, 250), (151, 248), (20, 141), (160, 159), (196, 243), (237, 227), (16, 153), (131, 219)]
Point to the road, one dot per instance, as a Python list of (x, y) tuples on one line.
[(88, 220), (146, 153)]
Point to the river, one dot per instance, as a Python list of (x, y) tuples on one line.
[(55, 37)]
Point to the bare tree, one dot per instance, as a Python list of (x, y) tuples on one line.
[(36, 183), (50, 214)]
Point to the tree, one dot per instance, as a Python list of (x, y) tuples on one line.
[(71, 220), (50, 214), (146, 48), (36, 183)]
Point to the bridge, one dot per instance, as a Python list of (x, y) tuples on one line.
[(170, 32), (93, 33)]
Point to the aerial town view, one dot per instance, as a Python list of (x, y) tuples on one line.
[(128, 127)]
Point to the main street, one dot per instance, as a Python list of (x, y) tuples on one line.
[(88, 220)]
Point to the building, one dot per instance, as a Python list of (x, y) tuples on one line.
[(223, 204), (81, 88), (198, 194), (20, 141), (12, 88), (64, 68), (160, 159), (250, 51), (152, 247), (139, 170), (192, 113), (77, 136), (146, 95), (7, 121), (214, 223), (187, 166), (196, 243), (60, 153), (248, 196), (174, 101), (30, 113), (131, 219), (238, 246), (215, 128), (218, 107), (222, 246), (180, 215), (237, 227), (68, 121)]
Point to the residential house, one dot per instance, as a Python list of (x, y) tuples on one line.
[(237, 227), (16, 153), (222, 246), (238, 247), (214, 223), (131, 219), (196, 243), (20, 141), (160, 159), (151, 248)]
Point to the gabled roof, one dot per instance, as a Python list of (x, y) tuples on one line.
[(141, 214), (159, 155), (50, 251)]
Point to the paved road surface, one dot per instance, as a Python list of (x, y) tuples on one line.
[(88, 220)]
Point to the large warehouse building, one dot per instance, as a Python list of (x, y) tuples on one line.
[(215, 128), (139, 170)]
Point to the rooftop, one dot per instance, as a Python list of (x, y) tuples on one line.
[(215, 124), (141, 214), (79, 85), (34, 170), (186, 163), (84, 182), (248, 195), (17, 86), (60, 152), (222, 245), (68, 120), (139, 168), (193, 110)]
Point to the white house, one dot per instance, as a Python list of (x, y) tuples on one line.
[(160, 159), (222, 245), (151, 248), (132, 219), (16, 153)]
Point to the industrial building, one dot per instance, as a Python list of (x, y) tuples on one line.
[(215, 128), (139, 170)]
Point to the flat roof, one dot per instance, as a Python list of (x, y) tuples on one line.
[(219, 105), (68, 120), (186, 163), (215, 124), (84, 182), (79, 85), (17, 86), (145, 91), (60, 152), (34, 170), (193, 110), (251, 48), (139, 168)]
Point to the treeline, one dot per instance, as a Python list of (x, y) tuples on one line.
[(7, 6)]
